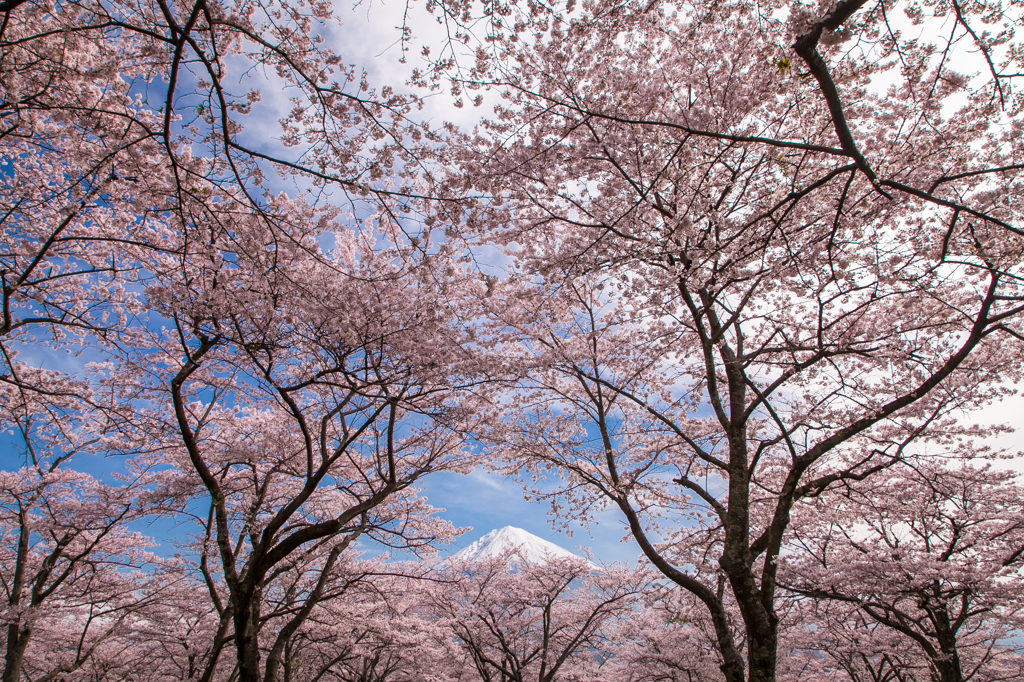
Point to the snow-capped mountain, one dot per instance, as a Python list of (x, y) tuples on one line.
[(528, 547)]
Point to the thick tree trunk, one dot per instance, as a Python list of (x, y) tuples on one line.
[(948, 666), (949, 670), (759, 620), (247, 643), (762, 652), (732, 668), (17, 641), (18, 633), (760, 624)]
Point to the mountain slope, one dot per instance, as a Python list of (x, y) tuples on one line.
[(528, 547)]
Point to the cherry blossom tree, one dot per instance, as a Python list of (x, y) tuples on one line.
[(603, 409), (177, 636), (743, 269), (299, 395), (832, 641), (140, 212), (758, 253), (383, 629), (522, 621), (670, 639), (69, 565), (134, 199), (124, 136), (932, 553), (128, 118)]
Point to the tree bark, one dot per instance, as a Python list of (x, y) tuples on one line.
[(17, 641), (247, 644)]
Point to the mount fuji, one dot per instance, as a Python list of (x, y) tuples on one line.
[(527, 546)]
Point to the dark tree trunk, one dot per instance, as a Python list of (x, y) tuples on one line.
[(948, 665), (18, 637), (247, 643)]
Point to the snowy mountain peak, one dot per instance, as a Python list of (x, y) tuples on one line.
[(527, 547)]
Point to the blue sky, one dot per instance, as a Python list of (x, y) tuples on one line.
[(487, 501)]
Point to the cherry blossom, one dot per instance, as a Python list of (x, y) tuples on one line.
[(740, 272), (70, 566), (931, 553), (543, 621)]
